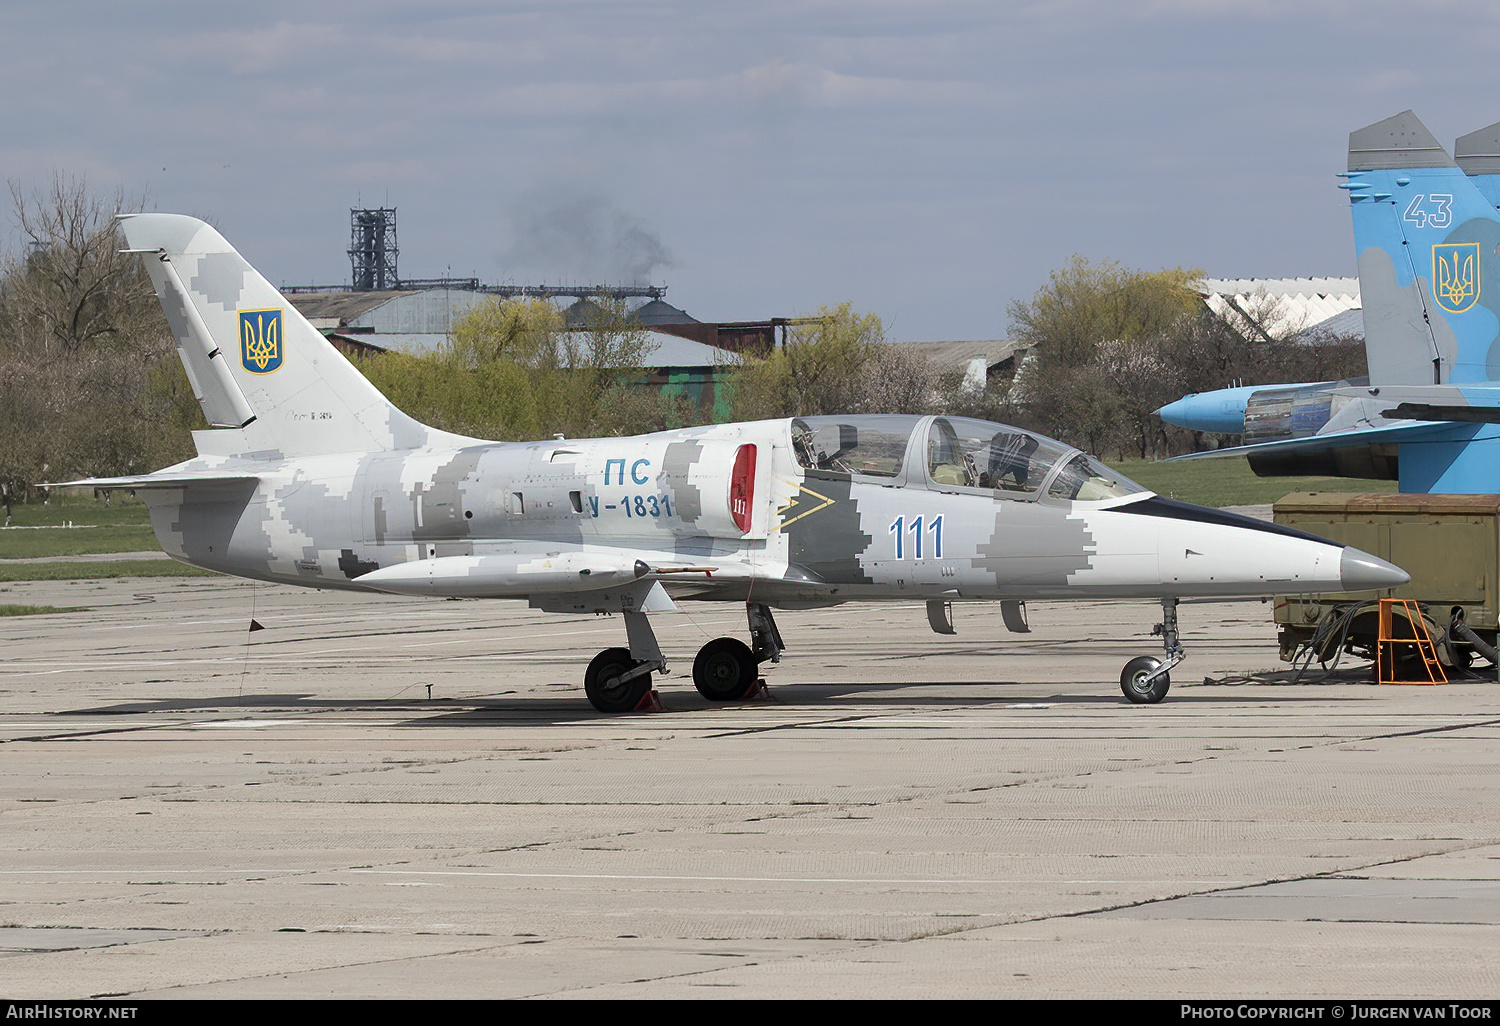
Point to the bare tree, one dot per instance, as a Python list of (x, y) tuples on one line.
[(89, 380), (72, 288)]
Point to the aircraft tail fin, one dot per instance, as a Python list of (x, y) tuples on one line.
[(1478, 153), (1425, 237), (257, 366)]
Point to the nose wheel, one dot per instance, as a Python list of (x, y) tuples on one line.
[(1145, 679)]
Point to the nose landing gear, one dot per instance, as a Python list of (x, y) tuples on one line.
[(1145, 679)]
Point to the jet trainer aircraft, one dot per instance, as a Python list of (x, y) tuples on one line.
[(1425, 235), (311, 477)]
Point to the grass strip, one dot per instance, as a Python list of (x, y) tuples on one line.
[(37, 610), (33, 543), (1231, 482), (101, 570)]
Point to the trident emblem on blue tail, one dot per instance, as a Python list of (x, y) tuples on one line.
[(1455, 275), (260, 340)]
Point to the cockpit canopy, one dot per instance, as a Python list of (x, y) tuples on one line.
[(954, 454)]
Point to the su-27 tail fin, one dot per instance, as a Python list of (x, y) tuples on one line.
[(1425, 235), (1478, 153), (256, 365)]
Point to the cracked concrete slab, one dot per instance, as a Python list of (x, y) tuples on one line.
[(1338, 899), (188, 809)]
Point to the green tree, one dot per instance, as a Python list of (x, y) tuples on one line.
[(513, 369), (836, 361), (1097, 334), (1113, 345)]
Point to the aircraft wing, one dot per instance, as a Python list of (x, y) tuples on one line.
[(164, 480), (1466, 404), (1409, 430), (536, 568)]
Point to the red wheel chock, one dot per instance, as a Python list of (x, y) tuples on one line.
[(650, 702)]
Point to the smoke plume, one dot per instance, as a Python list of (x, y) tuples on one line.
[(582, 238)]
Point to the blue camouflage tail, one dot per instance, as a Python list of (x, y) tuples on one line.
[(1426, 237)]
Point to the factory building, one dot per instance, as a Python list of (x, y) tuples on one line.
[(418, 321)]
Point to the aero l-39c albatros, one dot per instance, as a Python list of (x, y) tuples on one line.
[(311, 477)]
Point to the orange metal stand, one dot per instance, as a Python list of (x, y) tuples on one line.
[(1415, 634)]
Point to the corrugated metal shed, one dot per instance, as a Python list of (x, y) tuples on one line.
[(420, 321), (671, 351), (428, 311), (957, 355), (338, 309), (1349, 324)]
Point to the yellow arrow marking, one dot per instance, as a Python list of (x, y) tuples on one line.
[(806, 513)]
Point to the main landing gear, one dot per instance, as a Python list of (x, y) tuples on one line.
[(725, 670), (1145, 679)]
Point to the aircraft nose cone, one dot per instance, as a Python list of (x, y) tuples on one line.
[(1360, 571), (1174, 412)]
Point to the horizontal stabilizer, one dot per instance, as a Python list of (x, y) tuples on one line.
[(1462, 404), (1445, 414)]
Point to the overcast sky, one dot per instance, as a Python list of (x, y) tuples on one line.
[(926, 161)]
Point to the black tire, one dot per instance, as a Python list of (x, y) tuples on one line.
[(1132, 681), (1460, 657), (725, 670), (602, 684)]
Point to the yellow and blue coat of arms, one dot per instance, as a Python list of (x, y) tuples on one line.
[(1455, 275), (260, 340)]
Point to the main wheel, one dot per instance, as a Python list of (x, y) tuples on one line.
[(725, 670), (601, 682), (1133, 681)]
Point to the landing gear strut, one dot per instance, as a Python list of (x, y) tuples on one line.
[(619, 678), (726, 669), (615, 682), (1145, 679)]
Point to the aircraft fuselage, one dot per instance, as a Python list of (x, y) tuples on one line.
[(729, 512)]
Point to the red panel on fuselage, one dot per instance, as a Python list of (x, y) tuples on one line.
[(742, 487)]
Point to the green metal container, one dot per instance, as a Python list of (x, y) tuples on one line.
[(1450, 544)]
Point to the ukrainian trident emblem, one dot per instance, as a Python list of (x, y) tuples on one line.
[(1455, 275), (260, 340)]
